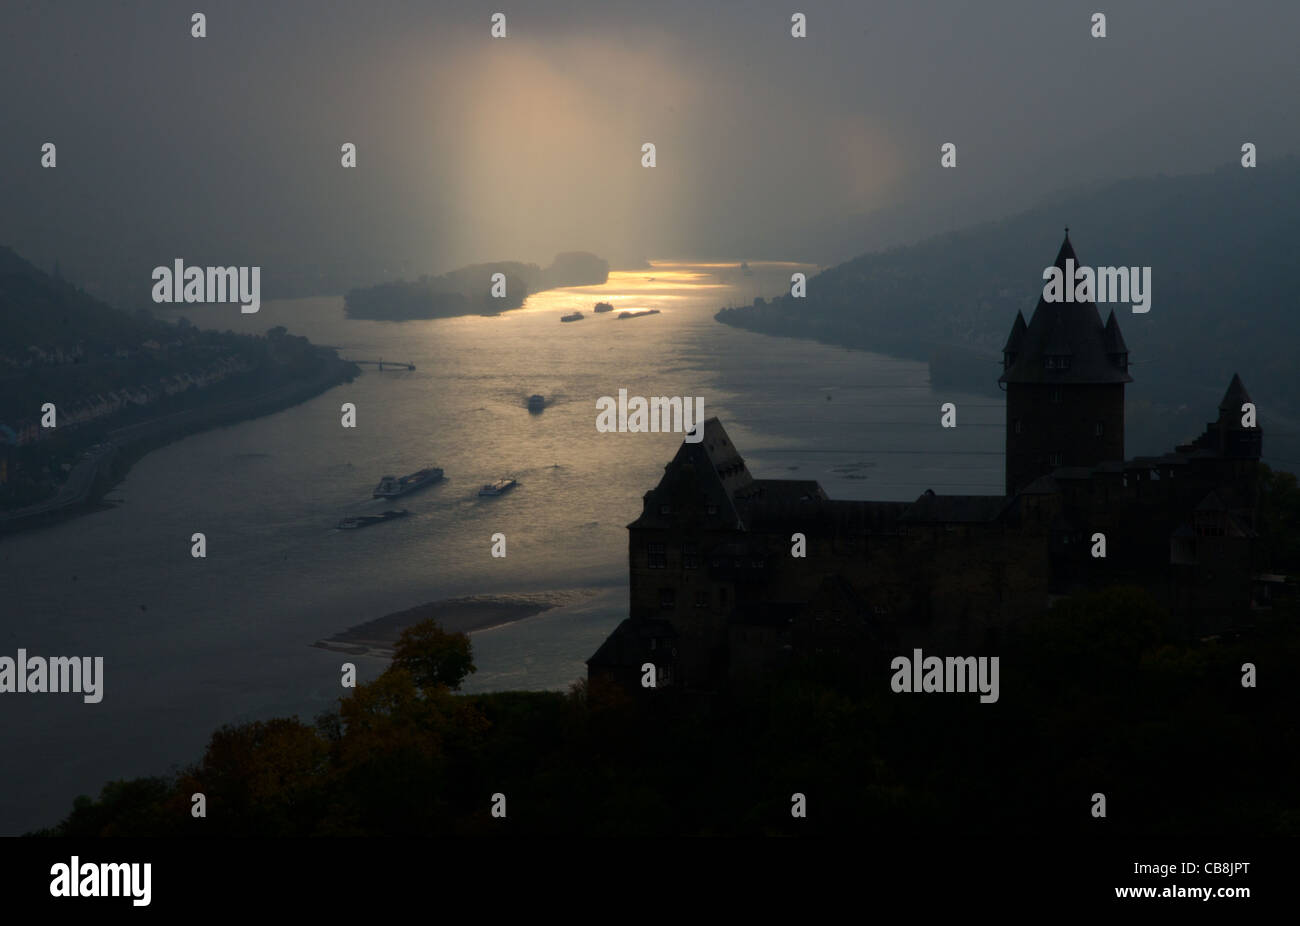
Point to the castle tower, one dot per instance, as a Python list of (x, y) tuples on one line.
[(1064, 373), (1235, 440)]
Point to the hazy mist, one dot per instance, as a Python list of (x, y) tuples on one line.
[(471, 149)]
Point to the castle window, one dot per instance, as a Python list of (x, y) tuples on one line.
[(1019, 426), (667, 598), (1098, 429), (701, 600), (711, 509), (690, 557), (665, 509), (1056, 395), (1053, 459), (658, 558), (722, 597)]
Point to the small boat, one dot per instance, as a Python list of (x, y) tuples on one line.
[(352, 524), (392, 487), (623, 315), (604, 307), (575, 317), (500, 487), (536, 403), (744, 268)]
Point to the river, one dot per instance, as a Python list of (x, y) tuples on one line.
[(191, 644)]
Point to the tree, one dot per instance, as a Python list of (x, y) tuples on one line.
[(1279, 518), (433, 656)]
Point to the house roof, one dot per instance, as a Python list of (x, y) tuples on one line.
[(629, 643), (844, 516), (953, 509), (783, 491), (1066, 473)]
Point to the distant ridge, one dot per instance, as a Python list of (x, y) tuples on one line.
[(1223, 252), (39, 309)]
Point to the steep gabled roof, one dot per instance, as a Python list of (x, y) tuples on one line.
[(723, 454), (711, 470), (1066, 329)]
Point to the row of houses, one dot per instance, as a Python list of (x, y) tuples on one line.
[(103, 405), (34, 356)]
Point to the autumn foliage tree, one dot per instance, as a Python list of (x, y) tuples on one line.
[(433, 656)]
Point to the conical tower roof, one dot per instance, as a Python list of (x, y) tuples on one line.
[(1017, 335), (1114, 337), (1235, 397), (1071, 330)]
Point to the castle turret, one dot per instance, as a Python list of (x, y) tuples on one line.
[(1235, 434), (1064, 373)]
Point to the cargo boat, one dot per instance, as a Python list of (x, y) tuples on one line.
[(393, 487), (352, 524), (500, 487)]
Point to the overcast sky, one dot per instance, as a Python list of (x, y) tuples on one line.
[(472, 149)]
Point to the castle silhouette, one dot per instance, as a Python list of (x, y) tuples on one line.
[(718, 596)]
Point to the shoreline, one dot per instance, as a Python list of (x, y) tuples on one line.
[(106, 464)]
